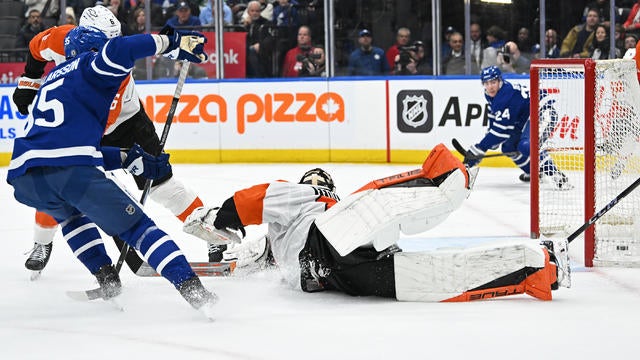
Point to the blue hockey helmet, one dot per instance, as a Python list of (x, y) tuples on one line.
[(82, 39), (490, 73), (318, 177)]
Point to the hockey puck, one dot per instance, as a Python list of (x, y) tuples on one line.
[(622, 247)]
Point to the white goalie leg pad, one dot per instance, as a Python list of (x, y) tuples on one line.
[(173, 195), (376, 216), (445, 273)]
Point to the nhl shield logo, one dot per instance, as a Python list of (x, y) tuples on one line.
[(415, 111)]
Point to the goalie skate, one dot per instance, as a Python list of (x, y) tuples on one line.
[(559, 254)]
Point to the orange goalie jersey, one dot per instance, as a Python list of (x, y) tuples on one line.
[(49, 46)]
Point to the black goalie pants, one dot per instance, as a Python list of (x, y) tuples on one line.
[(363, 272)]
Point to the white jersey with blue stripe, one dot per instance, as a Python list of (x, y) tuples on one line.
[(72, 106)]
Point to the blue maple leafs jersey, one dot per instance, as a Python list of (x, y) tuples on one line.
[(70, 111), (508, 115)]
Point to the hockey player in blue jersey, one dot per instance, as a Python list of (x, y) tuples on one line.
[(56, 166), (509, 127)]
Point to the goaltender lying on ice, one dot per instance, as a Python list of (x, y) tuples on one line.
[(321, 243)]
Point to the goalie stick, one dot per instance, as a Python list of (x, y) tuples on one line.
[(124, 249), (463, 151)]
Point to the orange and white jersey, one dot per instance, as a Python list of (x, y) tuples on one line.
[(289, 209), (49, 46)]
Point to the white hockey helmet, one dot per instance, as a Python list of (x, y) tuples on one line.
[(101, 18)]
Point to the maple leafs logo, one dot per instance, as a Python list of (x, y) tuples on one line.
[(332, 107)]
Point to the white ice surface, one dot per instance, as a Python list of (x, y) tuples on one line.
[(260, 318)]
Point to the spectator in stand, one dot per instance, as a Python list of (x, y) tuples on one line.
[(511, 60), (367, 59), (208, 14), (496, 37), (266, 11), (604, 8), (524, 42), (477, 45), (50, 17), (158, 15), (137, 26), (630, 42), (445, 48), (403, 36), (576, 43), (600, 48), (551, 44), (304, 59), (453, 62), (632, 23), (183, 17), (285, 14), (495, 41), (285, 17), (259, 42), (412, 61), (30, 29)]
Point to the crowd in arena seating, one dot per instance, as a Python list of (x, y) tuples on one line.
[(285, 38)]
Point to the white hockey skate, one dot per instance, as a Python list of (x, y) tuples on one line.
[(561, 181)]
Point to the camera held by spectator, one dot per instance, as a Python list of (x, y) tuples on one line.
[(407, 59), (505, 53), (312, 64)]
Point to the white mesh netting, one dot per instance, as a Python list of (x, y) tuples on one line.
[(562, 137)]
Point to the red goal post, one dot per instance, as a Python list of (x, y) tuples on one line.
[(585, 118)]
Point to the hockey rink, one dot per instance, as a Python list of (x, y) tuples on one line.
[(259, 317)]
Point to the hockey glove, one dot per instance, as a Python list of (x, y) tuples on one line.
[(473, 156), (200, 224), (148, 166), (24, 94), (184, 45)]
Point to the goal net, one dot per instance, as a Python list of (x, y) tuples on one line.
[(585, 123)]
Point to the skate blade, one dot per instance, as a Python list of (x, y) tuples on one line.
[(116, 303), (208, 310), (35, 275)]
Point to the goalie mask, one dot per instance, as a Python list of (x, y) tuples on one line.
[(318, 177), (82, 39), (101, 18)]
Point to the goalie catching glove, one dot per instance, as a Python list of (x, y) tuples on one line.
[(200, 224), (473, 156), (184, 45), (138, 162), (24, 94)]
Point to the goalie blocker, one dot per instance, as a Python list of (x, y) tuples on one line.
[(351, 245)]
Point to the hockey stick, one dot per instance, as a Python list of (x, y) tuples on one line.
[(461, 149), (124, 249), (163, 139), (604, 210)]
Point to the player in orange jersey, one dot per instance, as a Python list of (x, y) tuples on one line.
[(350, 246), (127, 124)]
